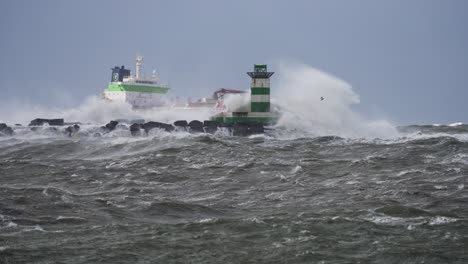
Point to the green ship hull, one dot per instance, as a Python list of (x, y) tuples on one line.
[(116, 87)]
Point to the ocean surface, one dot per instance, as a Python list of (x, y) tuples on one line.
[(185, 198)]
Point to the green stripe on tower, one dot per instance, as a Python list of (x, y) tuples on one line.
[(260, 106), (260, 91)]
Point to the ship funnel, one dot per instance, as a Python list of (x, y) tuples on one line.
[(118, 73)]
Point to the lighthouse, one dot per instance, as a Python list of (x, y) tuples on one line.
[(260, 89), (259, 110)]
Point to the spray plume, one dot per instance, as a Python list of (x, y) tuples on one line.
[(314, 103)]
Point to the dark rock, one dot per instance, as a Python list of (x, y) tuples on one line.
[(6, 130), (168, 127), (72, 129), (50, 122), (111, 125), (196, 126), (211, 126), (181, 123), (69, 131), (18, 125), (150, 125), (52, 129), (135, 129)]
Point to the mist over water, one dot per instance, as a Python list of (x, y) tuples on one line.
[(96, 111), (298, 94)]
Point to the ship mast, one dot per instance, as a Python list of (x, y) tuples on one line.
[(139, 62)]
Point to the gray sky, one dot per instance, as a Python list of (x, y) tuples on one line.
[(407, 60)]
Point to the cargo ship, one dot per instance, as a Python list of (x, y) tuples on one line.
[(136, 90)]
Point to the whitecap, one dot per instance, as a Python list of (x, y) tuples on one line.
[(282, 177), (277, 245), (296, 169), (299, 239), (11, 224), (351, 182), (455, 124), (441, 220), (35, 228), (254, 220), (393, 220), (404, 172), (207, 220)]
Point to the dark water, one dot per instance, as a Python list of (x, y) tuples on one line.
[(179, 198)]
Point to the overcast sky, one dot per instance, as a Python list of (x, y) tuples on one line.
[(407, 59)]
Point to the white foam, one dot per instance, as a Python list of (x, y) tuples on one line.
[(296, 169), (97, 111), (254, 220), (237, 102), (208, 220), (35, 228), (11, 224), (421, 136), (300, 88), (392, 220), (458, 158), (411, 222), (455, 124), (441, 220), (404, 172)]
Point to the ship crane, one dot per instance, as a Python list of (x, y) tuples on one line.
[(219, 94)]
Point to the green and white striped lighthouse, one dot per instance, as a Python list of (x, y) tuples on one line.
[(260, 89), (259, 110)]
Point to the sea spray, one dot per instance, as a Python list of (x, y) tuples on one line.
[(314, 103), (297, 97), (96, 110), (237, 102)]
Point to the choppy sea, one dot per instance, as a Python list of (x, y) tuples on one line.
[(199, 198)]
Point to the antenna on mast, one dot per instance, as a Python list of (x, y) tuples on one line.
[(139, 62)]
